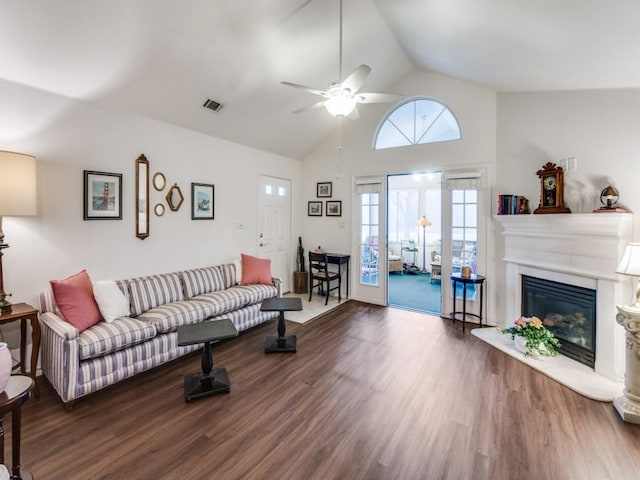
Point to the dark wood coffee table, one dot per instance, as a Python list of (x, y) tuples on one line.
[(211, 380), (281, 343)]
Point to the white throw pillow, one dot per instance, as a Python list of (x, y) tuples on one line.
[(111, 301)]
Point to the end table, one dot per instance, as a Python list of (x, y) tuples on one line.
[(24, 312), (11, 400)]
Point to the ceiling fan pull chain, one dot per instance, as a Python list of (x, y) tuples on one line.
[(340, 46), (339, 166)]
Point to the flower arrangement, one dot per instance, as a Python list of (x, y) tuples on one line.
[(538, 339)]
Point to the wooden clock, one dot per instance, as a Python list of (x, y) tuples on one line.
[(551, 190)]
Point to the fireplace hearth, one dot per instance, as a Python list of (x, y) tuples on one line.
[(568, 311)]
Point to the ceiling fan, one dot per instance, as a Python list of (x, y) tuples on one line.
[(340, 99)]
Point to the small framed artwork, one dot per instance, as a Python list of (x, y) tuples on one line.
[(334, 208), (202, 202), (102, 195), (314, 209), (323, 190)]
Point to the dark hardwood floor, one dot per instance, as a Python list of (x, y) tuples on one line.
[(373, 393)]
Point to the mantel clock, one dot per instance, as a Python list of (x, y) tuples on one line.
[(551, 190)]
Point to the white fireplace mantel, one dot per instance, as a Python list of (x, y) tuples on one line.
[(576, 249)]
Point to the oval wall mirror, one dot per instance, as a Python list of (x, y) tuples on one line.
[(158, 209), (159, 182), (175, 198), (142, 197)]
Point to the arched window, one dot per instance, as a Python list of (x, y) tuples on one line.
[(417, 121)]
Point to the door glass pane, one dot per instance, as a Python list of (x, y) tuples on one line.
[(457, 215), (464, 234), (369, 241)]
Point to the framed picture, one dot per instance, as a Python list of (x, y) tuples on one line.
[(324, 189), (102, 196), (202, 202), (314, 209), (334, 208)]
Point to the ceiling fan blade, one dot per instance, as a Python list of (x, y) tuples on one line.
[(354, 81), (377, 97), (310, 107), (315, 91)]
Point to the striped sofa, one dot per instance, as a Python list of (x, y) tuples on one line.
[(79, 363)]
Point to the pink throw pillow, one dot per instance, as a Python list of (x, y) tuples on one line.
[(75, 300), (255, 270)]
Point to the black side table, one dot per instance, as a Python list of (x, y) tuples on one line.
[(281, 343), (211, 380), (11, 400), (472, 279)]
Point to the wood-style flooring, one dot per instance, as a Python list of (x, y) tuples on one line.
[(373, 393)]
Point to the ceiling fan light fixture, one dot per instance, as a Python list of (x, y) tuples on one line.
[(340, 102)]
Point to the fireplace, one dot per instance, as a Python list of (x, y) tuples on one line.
[(580, 250), (566, 310)]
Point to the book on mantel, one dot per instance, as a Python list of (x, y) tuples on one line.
[(610, 210)]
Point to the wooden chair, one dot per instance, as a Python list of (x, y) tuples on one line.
[(319, 275)]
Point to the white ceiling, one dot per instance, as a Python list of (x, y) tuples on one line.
[(163, 58)]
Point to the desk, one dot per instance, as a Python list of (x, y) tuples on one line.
[(472, 279), (24, 312), (11, 400), (340, 259)]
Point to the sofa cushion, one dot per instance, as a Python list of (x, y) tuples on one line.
[(104, 338), (149, 292), (167, 318), (75, 301), (201, 280), (255, 270), (226, 300), (229, 274), (257, 293)]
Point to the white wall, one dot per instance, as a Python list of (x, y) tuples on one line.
[(475, 109), (600, 128), (68, 137)]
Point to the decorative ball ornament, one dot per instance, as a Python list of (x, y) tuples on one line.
[(609, 197)]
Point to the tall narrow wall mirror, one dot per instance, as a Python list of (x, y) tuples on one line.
[(142, 197)]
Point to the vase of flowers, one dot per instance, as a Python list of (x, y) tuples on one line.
[(532, 338)]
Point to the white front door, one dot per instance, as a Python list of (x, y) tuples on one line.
[(274, 226)]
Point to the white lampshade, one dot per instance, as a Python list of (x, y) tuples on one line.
[(17, 184), (630, 263), (340, 102)]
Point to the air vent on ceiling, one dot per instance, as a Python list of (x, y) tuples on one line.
[(212, 105)]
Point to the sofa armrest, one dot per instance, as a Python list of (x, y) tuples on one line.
[(58, 326), (59, 354), (277, 282)]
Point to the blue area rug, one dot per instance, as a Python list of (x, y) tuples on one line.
[(416, 292)]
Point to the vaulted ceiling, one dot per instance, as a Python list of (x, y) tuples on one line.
[(164, 58)]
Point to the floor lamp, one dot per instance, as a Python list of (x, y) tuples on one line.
[(424, 223), (17, 198)]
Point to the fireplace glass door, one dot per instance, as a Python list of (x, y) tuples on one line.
[(566, 310)]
